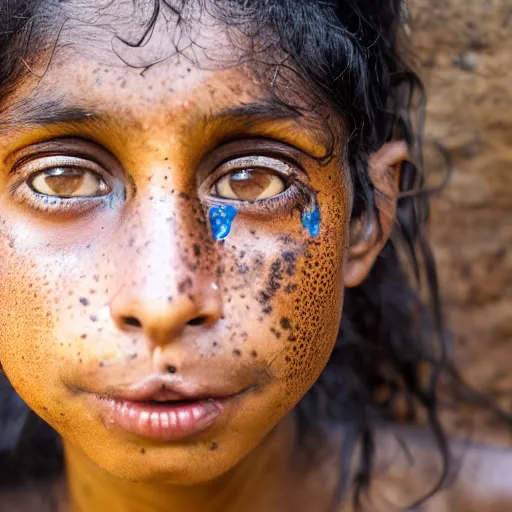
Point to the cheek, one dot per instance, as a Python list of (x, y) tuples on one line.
[(283, 295), (30, 298)]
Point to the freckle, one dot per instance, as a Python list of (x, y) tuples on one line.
[(254, 353), (93, 318), (101, 364), (169, 299), (287, 359), (84, 301), (84, 336), (197, 250), (214, 446), (143, 451), (285, 323), (134, 356), (172, 369), (237, 353)]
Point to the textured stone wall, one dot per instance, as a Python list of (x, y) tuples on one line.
[(465, 53)]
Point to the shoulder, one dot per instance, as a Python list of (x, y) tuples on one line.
[(409, 464)]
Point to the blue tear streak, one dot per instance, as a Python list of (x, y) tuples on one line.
[(311, 220), (221, 219)]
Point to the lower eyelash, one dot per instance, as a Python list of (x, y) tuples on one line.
[(296, 197), (55, 205)]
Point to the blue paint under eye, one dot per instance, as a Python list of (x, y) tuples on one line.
[(221, 218), (311, 220)]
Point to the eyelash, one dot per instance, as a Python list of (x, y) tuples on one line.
[(22, 191), (293, 175), (297, 190)]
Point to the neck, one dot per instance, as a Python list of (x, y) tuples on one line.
[(256, 480)]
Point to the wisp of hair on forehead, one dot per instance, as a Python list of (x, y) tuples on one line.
[(349, 55)]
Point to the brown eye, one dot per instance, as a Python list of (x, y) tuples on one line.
[(68, 182), (249, 185)]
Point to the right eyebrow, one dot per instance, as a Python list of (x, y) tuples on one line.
[(46, 113)]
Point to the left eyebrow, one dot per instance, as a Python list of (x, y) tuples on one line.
[(265, 111)]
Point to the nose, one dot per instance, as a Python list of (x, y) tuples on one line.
[(163, 317), (165, 283)]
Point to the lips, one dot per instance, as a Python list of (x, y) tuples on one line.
[(160, 410)]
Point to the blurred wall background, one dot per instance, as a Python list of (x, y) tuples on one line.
[(465, 57)]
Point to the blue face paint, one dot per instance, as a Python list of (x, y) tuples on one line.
[(221, 218), (311, 220)]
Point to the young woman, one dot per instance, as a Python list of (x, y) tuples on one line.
[(190, 193)]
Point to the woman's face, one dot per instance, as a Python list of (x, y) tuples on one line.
[(168, 290)]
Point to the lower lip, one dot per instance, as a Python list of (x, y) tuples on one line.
[(165, 421)]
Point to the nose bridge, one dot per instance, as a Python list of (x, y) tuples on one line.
[(165, 276)]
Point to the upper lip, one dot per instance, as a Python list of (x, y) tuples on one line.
[(163, 389)]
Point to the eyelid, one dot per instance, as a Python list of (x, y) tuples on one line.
[(261, 162), (251, 147), (45, 163), (65, 147), (272, 165)]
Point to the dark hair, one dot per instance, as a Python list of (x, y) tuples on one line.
[(349, 52)]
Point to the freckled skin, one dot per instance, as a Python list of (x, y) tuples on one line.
[(102, 299)]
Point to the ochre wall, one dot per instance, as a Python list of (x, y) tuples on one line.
[(465, 53)]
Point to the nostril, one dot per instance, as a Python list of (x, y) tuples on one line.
[(132, 321), (199, 320)]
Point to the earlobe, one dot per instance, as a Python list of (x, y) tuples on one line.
[(371, 231)]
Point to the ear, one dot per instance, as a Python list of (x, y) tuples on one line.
[(370, 233)]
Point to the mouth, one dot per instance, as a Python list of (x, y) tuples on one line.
[(160, 410)]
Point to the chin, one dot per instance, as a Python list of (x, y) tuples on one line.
[(185, 465)]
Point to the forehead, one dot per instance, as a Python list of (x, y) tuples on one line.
[(152, 57), (145, 65)]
